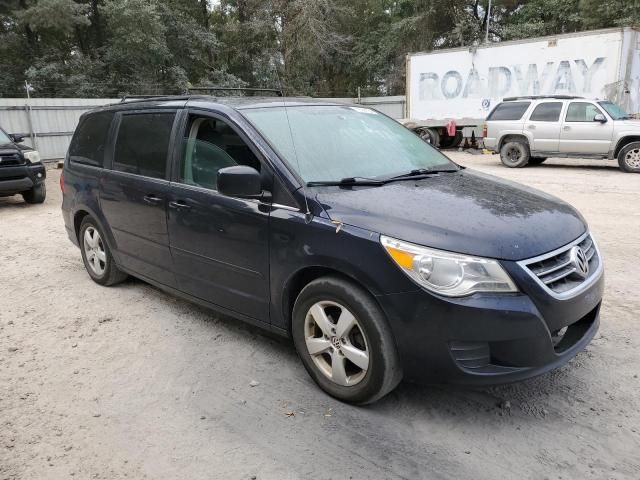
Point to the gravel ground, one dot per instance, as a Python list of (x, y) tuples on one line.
[(129, 382)]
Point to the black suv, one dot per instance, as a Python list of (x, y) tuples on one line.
[(338, 226), (21, 170)]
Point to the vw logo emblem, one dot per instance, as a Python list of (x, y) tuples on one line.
[(579, 261)]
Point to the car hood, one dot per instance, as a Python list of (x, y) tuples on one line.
[(8, 148), (630, 123), (466, 212)]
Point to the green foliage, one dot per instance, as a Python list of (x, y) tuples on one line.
[(316, 47)]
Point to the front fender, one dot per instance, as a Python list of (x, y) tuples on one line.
[(297, 246)]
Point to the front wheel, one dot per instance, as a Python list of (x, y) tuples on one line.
[(514, 154), (344, 341), (37, 194), (629, 158)]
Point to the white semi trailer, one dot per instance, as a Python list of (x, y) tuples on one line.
[(460, 86)]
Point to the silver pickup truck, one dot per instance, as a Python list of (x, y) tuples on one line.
[(527, 130)]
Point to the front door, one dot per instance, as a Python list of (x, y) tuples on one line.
[(544, 126), (582, 134), (219, 244), (133, 194)]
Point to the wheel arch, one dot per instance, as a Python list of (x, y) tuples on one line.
[(623, 142), (83, 211), (511, 137), (303, 277)]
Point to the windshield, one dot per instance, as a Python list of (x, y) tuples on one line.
[(4, 138), (615, 111), (336, 142)]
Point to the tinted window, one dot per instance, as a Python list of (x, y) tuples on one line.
[(547, 112), (143, 144), (210, 144), (90, 139), (509, 111), (581, 112)]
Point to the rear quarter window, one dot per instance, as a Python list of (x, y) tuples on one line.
[(90, 139), (509, 111), (546, 112)]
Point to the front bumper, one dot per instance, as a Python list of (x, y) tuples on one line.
[(489, 339), (20, 178)]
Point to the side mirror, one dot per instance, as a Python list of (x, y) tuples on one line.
[(17, 138), (239, 181), (598, 117)]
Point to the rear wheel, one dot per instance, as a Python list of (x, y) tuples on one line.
[(36, 195), (536, 160), (96, 255), (629, 158), (451, 142), (514, 154), (344, 342)]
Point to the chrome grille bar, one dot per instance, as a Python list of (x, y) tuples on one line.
[(558, 275)]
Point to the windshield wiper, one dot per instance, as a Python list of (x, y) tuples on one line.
[(419, 172), (347, 181)]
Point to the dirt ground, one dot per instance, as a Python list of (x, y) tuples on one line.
[(128, 382)]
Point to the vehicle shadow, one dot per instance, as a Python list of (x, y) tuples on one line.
[(15, 202), (610, 167), (529, 398)]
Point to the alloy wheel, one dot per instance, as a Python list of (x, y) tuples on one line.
[(94, 251), (632, 158), (336, 342)]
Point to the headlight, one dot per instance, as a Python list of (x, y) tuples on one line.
[(32, 155), (445, 273)]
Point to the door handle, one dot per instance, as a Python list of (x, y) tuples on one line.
[(566, 127), (179, 205), (531, 127), (151, 199)]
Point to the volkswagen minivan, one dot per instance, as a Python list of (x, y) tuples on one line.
[(336, 226)]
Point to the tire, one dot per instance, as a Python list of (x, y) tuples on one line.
[(629, 158), (96, 256), (328, 301), (514, 154), (451, 142), (536, 160), (36, 195), (431, 136)]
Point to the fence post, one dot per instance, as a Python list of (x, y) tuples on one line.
[(27, 109)]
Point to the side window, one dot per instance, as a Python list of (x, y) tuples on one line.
[(581, 112), (89, 140), (509, 111), (546, 112), (210, 144), (142, 144)]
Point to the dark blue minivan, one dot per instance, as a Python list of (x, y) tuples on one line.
[(336, 225)]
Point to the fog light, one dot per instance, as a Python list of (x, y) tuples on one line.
[(39, 175)]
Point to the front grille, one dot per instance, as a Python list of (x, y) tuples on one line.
[(567, 269), (10, 160)]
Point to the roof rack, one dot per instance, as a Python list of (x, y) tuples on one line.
[(277, 91), (538, 97), (141, 98)]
